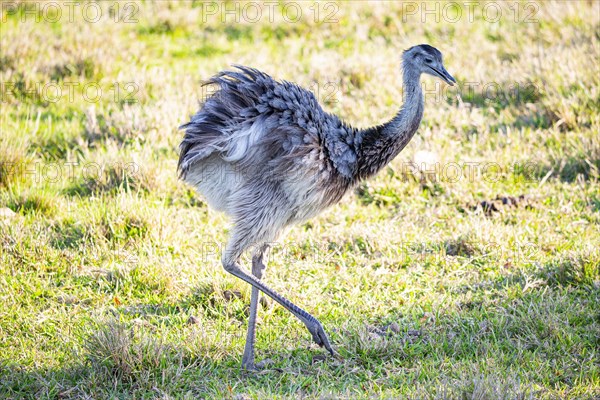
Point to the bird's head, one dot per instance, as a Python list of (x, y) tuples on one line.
[(427, 59)]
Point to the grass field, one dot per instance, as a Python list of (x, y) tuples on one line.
[(469, 268)]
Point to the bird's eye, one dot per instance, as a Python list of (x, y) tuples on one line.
[(428, 60)]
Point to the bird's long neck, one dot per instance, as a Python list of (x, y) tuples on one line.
[(381, 144)]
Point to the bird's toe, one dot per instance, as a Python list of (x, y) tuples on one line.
[(319, 336)]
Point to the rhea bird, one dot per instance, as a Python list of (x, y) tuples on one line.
[(264, 152)]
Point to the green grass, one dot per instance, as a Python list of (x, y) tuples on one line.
[(478, 278)]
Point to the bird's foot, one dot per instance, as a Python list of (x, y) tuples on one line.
[(250, 366), (319, 335)]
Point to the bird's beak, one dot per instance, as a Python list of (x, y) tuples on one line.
[(449, 79), (445, 75)]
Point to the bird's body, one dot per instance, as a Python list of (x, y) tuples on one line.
[(257, 138), (267, 154)]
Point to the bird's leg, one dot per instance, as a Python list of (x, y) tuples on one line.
[(313, 324), (257, 270)]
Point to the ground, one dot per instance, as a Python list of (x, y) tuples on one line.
[(468, 268)]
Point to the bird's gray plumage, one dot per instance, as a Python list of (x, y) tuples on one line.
[(247, 98), (267, 154)]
